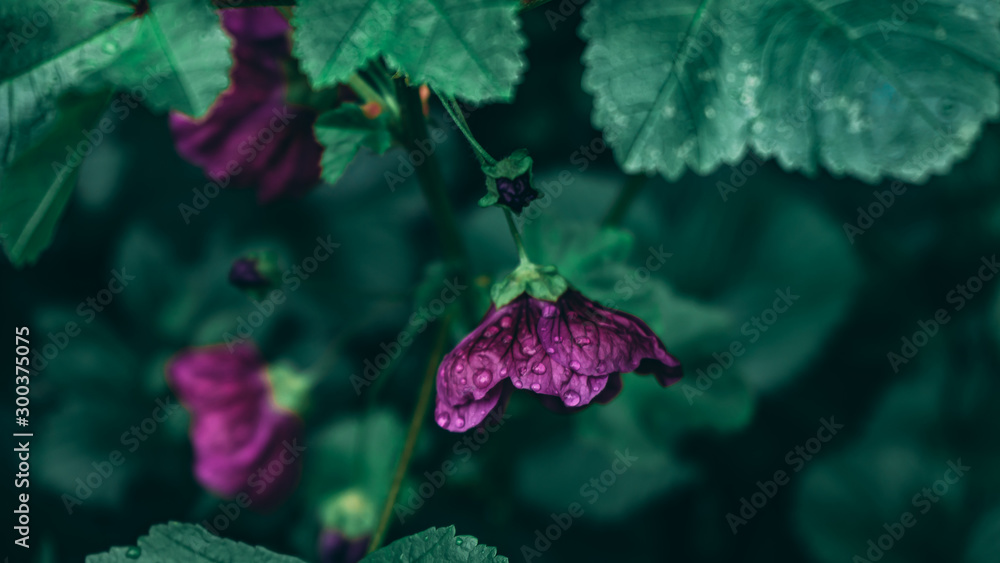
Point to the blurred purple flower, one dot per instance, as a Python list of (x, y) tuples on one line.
[(336, 548), (243, 442), (571, 352), (245, 275), (516, 193), (252, 125)]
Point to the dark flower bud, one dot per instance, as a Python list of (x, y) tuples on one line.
[(348, 519), (509, 184), (334, 547), (255, 273)]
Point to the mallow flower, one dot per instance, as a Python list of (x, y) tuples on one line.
[(243, 441), (255, 135), (542, 336)]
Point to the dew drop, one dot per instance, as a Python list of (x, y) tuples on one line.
[(536, 386), (458, 541), (571, 398), (491, 331), (517, 383), (443, 419), (550, 350), (459, 422), (505, 322), (503, 371), (459, 368), (557, 338), (507, 338), (133, 552), (483, 379), (539, 368), (595, 384), (574, 365), (463, 381), (110, 47), (528, 351), (582, 340), (549, 311)]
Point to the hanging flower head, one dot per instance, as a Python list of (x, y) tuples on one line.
[(544, 337), (243, 441), (254, 136)]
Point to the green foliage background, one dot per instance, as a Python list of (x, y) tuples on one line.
[(699, 454)]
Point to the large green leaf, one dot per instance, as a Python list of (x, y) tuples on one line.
[(175, 56), (438, 545), (35, 189), (661, 95), (343, 132), (859, 88), (868, 89), (189, 543), (49, 47), (466, 48), (333, 39)]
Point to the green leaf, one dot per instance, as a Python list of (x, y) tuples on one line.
[(342, 132), (846, 85), (660, 95), (866, 89), (40, 63), (38, 186), (333, 39), (188, 542), (437, 545), (175, 56), (465, 48)]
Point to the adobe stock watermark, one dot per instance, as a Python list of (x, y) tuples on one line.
[(291, 280), (258, 482), (87, 310), (591, 491), (753, 329), (796, 459), (418, 323), (423, 149), (958, 298), (121, 107), (629, 283), (251, 147), (924, 501), (131, 439), (415, 496), (867, 215)]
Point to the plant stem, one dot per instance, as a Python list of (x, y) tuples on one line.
[(367, 93), (625, 198), (419, 413), (453, 109), (414, 130), (522, 255)]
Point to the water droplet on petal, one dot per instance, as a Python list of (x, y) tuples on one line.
[(443, 419), (549, 311), (503, 371), (517, 383), (507, 338), (491, 331), (463, 381), (459, 422), (528, 351), (539, 368), (571, 398), (483, 379), (574, 365), (551, 350), (459, 368), (505, 322), (557, 338), (595, 384), (535, 386), (582, 340)]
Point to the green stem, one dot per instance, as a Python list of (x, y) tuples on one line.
[(419, 413), (625, 198), (453, 109), (367, 93), (522, 255), (429, 174)]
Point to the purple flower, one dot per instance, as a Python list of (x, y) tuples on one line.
[(242, 440), (252, 125), (571, 352), (245, 275), (516, 193), (336, 548)]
